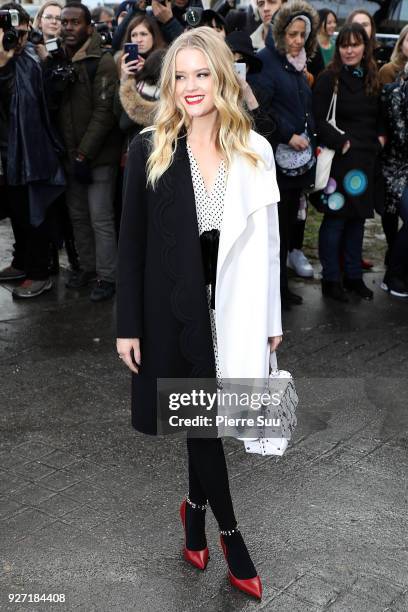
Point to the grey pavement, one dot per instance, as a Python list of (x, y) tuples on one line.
[(89, 507)]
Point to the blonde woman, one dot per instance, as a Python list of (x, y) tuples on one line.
[(48, 19), (48, 22), (199, 181), (399, 57)]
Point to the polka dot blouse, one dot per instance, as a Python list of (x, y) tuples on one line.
[(209, 207)]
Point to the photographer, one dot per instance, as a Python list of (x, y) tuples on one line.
[(32, 174), (93, 146), (46, 26)]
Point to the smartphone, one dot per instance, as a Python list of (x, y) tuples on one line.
[(240, 69), (133, 51)]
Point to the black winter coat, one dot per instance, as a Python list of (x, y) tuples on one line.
[(290, 99), (358, 173), (161, 295)]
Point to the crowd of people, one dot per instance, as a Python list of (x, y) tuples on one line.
[(72, 98)]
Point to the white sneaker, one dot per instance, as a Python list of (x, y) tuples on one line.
[(298, 262)]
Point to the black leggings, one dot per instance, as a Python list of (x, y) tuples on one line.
[(287, 210), (208, 479)]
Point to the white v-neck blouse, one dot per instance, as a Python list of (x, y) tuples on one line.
[(209, 207)]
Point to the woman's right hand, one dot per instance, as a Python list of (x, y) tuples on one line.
[(129, 69), (41, 51), (298, 142), (129, 351)]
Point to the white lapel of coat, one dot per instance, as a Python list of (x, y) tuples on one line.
[(248, 189)]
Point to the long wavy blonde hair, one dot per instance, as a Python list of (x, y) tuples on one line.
[(397, 57), (234, 123)]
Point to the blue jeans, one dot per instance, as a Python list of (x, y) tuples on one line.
[(398, 262), (338, 235)]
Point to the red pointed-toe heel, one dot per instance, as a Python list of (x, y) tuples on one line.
[(250, 586), (198, 558)]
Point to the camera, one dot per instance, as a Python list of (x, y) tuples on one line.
[(53, 46), (193, 16), (64, 74), (9, 20), (36, 37), (105, 33), (62, 70)]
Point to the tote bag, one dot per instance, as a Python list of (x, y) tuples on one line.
[(326, 155)]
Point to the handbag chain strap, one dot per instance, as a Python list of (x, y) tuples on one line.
[(331, 113)]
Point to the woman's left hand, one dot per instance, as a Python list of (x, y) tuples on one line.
[(274, 342)]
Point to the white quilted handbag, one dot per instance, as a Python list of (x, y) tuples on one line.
[(285, 411)]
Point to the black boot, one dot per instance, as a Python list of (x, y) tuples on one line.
[(53, 259), (334, 290), (72, 254), (357, 285)]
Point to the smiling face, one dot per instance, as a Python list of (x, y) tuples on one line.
[(143, 38), (194, 83), (351, 52), (295, 37), (50, 22), (331, 24)]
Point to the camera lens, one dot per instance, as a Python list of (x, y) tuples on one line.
[(193, 16), (10, 39), (36, 37)]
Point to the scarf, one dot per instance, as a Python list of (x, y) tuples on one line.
[(298, 62), (355, 71)]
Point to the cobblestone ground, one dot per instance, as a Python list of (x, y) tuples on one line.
[(89, 508)]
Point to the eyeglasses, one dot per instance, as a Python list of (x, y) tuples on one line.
[(22, 33), (51, 18)]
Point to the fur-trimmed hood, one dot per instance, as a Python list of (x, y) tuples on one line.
[(139, 110), (282, 19)]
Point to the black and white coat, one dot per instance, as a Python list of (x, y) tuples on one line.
[(161, 295)]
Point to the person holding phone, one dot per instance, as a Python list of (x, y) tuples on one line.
[(144, 34), (199, 175)]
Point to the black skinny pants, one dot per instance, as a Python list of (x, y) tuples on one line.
[(398, 260), (208, 479), (31, 247), (287, 210)]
